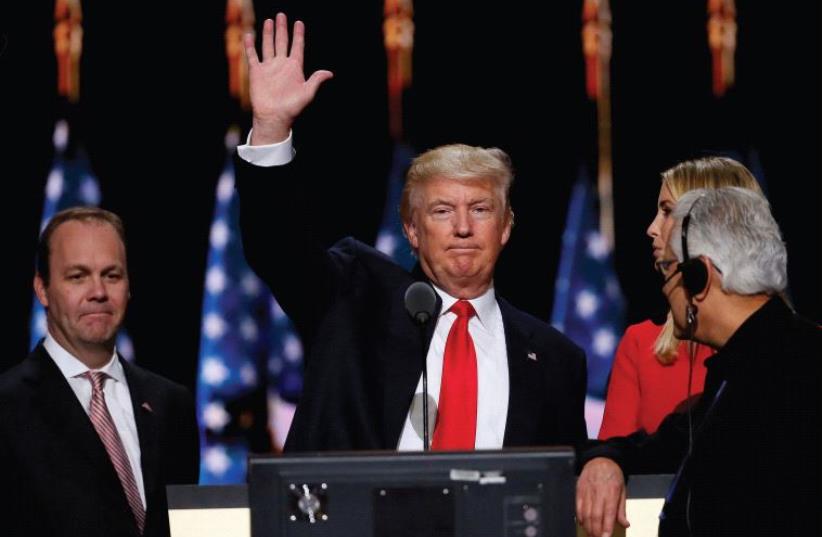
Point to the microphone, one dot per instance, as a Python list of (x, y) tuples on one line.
[(690, 319), (420, 302)]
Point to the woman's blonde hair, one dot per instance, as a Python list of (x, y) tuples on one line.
[(707, 172)]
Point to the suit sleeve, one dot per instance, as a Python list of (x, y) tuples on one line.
[(622, 403), (641, 453), (280, 245)]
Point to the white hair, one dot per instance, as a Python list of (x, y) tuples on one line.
[(735, 229)]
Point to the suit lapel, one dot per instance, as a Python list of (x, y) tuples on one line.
[(526, 382), (147, 423), (63, 414)]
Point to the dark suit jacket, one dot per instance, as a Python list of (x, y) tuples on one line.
[(56, 478), (363, 351), (754, 467)]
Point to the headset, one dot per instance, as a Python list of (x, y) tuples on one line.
[(694, 272), (694, 279)]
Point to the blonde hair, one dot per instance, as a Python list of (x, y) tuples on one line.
[(707, 172), (459, 162)]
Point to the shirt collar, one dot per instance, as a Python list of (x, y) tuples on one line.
[(483, 304), (71, 367)]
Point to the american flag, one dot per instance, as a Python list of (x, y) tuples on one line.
[(70, 183), (588, 302), (249, 375), (390, 239)]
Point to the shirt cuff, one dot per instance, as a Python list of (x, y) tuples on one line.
[(277, 154)]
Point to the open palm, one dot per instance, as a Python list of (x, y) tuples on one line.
[(277, 85)]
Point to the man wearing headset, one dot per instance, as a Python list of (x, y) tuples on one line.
[(748, 450)]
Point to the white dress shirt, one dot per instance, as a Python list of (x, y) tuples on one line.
[(118, 400), (488, 333), (486, 330)]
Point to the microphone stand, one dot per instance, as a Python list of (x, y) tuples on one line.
[(421, 303), (426, 444)]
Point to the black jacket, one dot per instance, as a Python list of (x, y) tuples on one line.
[(56, 478), (754, 467)]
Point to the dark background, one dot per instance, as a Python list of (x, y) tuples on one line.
[(155, 107)]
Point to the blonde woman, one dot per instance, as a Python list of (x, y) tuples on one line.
[(650, 374)]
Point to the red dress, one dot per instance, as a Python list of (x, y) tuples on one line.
[(642, 391)]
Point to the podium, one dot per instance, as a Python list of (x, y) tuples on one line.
[(526, 493), (511, 493)]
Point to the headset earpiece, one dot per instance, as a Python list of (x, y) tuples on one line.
[(694, 272), (694, 276)]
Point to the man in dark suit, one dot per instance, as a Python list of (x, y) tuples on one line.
[(88, 442), (497, 376), (748, 451)]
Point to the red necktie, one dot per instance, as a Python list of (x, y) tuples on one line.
[(456, 427), (104, 425)]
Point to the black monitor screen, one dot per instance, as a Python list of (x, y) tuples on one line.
[(528, 493)]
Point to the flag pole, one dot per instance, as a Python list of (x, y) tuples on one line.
[(596, 43)]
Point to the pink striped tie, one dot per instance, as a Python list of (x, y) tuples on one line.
[(104, 425)]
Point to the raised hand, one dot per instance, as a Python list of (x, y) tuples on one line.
[(278, 88)]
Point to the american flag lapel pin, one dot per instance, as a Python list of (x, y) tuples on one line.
[(532, 356), (147, 407)]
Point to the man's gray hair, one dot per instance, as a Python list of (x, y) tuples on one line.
[(735, 229)]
